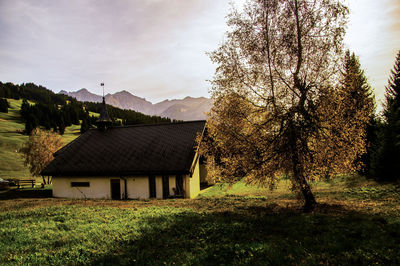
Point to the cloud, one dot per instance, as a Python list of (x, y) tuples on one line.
[(146, 46), (394, 14), (154, 48), (373, 34)]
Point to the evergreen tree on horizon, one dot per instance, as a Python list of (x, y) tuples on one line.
[(84, 126), (393, 91), (360, 100), (387, 162), (356, 83)]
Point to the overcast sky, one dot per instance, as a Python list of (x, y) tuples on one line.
[(153, 48)]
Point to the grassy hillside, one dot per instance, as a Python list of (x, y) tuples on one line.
[(357, 222), (11, 163), (11, 139)]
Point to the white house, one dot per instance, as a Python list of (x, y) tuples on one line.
[(131, 162)]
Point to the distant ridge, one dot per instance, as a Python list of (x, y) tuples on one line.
[(186, 109), (83, 95)]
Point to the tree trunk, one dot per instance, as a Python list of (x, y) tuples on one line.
[(305, 189), (298, 172), (309, 200)]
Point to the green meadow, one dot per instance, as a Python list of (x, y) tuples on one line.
[(357, 221), (11, 139)]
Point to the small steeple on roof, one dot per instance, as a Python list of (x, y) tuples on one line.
[(104, 120)]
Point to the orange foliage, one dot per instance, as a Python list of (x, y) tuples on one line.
[(38, 150)]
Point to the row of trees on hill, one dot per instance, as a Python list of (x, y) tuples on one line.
[(32, 92), (289, 102), (128, 117), (57, 111), (50, 116)]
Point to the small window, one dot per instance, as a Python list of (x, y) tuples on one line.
[(80, 184)]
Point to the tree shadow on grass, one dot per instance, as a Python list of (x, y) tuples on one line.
[(260, 236), (25, 193)]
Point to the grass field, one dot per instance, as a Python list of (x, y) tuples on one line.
[(11, 163), (11, 139), (356, 222)]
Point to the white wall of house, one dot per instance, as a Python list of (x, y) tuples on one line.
[(172, 184), (192, 184), (122, 184), (186, 185), (99, 188), (136, 187), (195, 182), (139, 188), (159, 194)]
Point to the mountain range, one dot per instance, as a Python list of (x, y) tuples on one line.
[(185, 109)]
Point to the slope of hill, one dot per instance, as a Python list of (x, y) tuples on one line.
[(189, 108), (11, 140)]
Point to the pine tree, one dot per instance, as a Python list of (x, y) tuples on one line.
[(359, 107), (61, 126), (393, 92), (30, 124), (4, 105), (387, 161), (356, 85), (24, 109), (84, 126)]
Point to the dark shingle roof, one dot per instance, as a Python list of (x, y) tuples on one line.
[(131, 150)]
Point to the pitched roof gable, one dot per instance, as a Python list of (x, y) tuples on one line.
[(131, 150)]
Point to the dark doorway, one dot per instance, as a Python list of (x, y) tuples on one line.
[(165, 186), (115, 189), (179, 185), (152, 186)]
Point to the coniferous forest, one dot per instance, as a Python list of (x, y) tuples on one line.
[(383, 133), (42, 107)]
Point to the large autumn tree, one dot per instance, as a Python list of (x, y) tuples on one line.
[(278, 100)]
